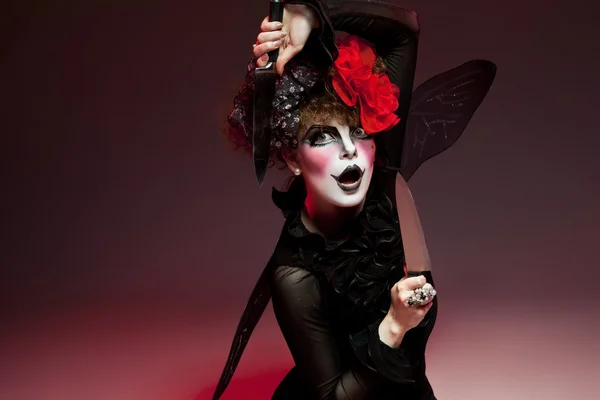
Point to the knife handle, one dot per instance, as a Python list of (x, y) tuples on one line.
[(275, 15)]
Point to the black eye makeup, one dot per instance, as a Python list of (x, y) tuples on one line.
[(321, 135), (360, 133)]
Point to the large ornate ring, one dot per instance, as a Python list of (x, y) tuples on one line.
[(421, 296)]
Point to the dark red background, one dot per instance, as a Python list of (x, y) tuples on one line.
[(132, 236)]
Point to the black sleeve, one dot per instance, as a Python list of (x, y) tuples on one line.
[(299, 311), (405, 364)]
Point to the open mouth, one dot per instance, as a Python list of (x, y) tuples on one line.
[(350, 178)]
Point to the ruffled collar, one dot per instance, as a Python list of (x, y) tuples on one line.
[(362, 267), (291, 204)]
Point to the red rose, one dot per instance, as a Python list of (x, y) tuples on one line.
[(378, 103), (354, 81)]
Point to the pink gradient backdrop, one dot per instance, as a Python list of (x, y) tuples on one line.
[(132, 237)]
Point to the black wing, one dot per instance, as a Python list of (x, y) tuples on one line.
[(440, 110), (259, 299)]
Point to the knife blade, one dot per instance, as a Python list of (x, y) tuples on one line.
[(416, 254), (264, 89), (415, 247)]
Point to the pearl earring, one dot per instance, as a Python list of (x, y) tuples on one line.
[(297, 172)]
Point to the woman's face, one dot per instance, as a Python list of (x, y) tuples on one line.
[(336, 162)]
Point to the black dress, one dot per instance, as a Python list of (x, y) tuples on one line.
[(329, 297)]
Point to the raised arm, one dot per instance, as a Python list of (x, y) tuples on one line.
[(394, 33), (391, 29)]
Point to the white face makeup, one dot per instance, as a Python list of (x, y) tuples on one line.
[(337, 163)]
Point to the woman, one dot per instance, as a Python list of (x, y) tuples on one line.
[(355, 323)]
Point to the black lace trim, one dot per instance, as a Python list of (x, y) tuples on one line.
[(364, 266)]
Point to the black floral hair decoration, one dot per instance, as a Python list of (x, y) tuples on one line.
[(292, 89)]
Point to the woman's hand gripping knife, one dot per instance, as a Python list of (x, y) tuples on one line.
[(288, 36), (401, 316)]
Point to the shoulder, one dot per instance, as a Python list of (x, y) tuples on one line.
[(295, 286), (286, 277)]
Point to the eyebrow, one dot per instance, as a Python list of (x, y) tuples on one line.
[(328, 127), (321, 126)]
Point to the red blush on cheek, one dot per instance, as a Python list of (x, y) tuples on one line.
[(366, 148), (316, 159)]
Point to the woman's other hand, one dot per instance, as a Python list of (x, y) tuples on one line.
[(401, 317), (289, 37)]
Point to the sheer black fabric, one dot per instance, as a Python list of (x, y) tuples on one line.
[(333, 360)]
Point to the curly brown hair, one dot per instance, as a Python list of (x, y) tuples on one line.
[(326, 107)]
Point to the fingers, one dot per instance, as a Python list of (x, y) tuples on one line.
[(414, 282), (423, 310), (413, 292), (262, 61), (404, 295), (403, 311), (267, 26), (264, 48), (427, 306), (270, 36), (286, 55)]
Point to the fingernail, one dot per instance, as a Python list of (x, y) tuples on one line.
[(278, 24), (283, 34), (277, 43)]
